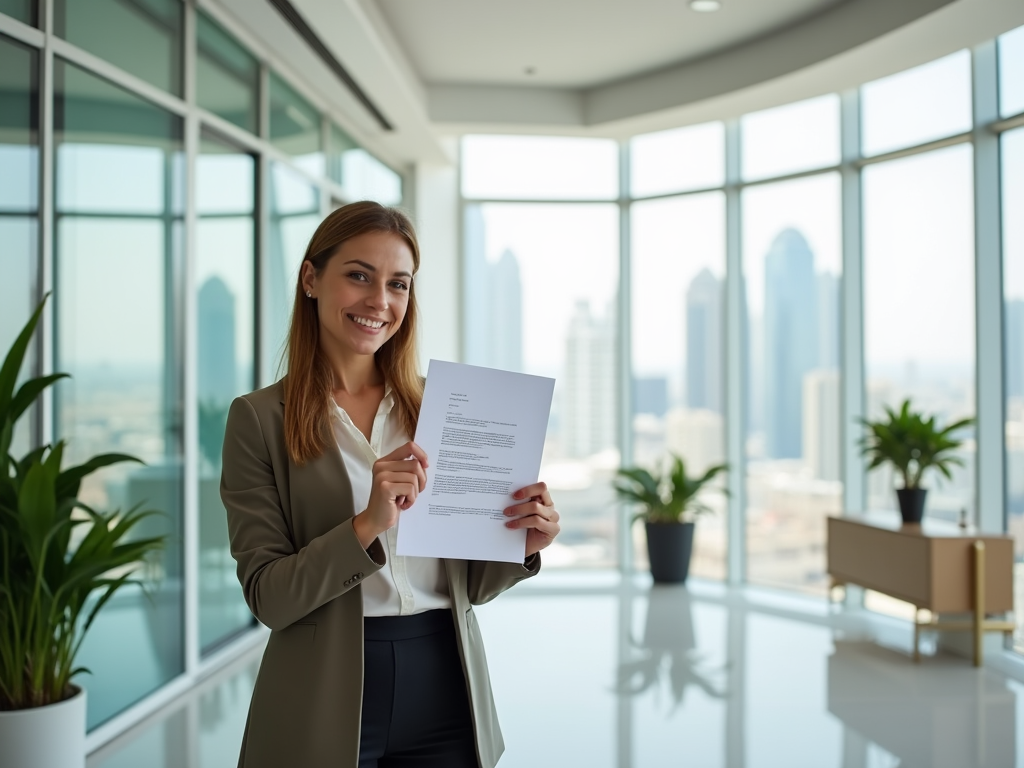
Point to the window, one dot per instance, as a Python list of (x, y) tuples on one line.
[(19, 202), (919, 329), (1013, 359), (367, 178), (339, 147), (677, 160), (922, 104), (539, 167), (541, 282), (118, 240), (147, 42), (227, 75), (295, 126), (225, 284), (1011, 72), (792, 272), (23, 10), (678, 345), (796, 137), (294, 216)]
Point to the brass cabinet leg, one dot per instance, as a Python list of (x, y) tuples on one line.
[(979, 600)]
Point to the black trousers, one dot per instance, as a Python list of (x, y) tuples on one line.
[(415, 707)]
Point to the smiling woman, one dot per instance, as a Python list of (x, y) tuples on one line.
[(371, 655)]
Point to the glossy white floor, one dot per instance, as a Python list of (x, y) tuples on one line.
[(590, 671)]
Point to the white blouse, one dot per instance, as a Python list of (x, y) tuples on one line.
[(406, 585)]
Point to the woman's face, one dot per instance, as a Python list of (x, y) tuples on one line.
[(363, 292)]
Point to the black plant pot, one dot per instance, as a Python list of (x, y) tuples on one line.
[(669, 546), (911, 504)]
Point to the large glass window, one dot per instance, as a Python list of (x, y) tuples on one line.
[(22, 10), (118, 305), (541, 282), (143, 37), (227, 75), (295, 126), (1011, 72), (540, 167), (367, 178), (792, 270), (678, 336), (293, 217), (225, 279), (339, 146), (1013, 359), (922, 104), (677, 160), (19, 198), (919, 336), (796, 137)]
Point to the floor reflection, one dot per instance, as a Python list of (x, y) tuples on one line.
[(590, 671)]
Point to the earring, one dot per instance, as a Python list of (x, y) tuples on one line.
[(309, 295)]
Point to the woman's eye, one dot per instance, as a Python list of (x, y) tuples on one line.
[(357, 276), (399, 285)]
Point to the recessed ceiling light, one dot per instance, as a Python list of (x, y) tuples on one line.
[(705, 6)]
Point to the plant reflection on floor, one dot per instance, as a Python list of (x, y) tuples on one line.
[(668, 650)]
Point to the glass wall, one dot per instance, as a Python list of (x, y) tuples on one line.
[(225, 282), (1011, 72), (227, 76), (148, 42), (1013, 357), (293, 216), (919, 338), (542, 285), (118, 238), (678, 345), (792, 272), (25, 11), (128, 278), (19, 200), (923, 104), (295, 126)]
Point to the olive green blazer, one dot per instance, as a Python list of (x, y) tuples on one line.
[(300, 565)]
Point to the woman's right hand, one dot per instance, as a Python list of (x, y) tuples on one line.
[(398, 479)]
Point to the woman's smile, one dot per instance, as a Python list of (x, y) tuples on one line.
[(367, 324)]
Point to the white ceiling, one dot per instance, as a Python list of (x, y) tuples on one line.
[(573, 43)]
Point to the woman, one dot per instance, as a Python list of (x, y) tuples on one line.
[(374, 660)]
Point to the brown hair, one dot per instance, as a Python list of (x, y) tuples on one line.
[(310, 381)]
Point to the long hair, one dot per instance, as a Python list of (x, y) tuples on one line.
[(310, 381)]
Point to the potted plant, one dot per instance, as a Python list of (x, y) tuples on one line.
[(912, 444), (60, 563), (669, 505)]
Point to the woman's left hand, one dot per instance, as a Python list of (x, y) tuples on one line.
[(537, 514)]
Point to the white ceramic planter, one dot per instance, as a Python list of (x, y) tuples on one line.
[(44, 737)]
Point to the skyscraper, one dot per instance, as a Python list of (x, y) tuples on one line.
[(821, 422), (505, 314), (704, 342), (790, 340), (218, 359), (588, 397)]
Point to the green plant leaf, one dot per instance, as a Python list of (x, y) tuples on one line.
[(14, 360), (70, 480), (29, 391)]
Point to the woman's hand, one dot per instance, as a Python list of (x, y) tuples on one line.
[(398, 479), (541, 518)]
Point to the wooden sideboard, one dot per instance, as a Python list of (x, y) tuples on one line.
[(934, 567)]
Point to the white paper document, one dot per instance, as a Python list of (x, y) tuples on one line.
[(483, 432)]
